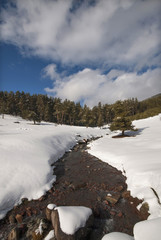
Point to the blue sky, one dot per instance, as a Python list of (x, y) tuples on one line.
[(18, 73), (96, 51)]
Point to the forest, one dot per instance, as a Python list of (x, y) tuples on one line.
[(39, 107)]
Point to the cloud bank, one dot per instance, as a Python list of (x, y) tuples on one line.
[(120, 31), (104, 34), (91, 86)]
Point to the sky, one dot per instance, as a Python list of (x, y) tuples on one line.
[(84, 50)]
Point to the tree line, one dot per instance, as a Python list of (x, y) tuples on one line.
[(39, 107)]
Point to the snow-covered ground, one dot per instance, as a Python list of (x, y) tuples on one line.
[(139, 158), (26, 153)]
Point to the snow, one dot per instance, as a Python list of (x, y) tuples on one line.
[(39, 230), (118, 236), (139, 158), (149, 230), (51, 206), (73, 218), (26, 154), (50, 235)]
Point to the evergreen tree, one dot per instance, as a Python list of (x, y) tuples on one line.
[(121, 123), (78, 114), (86, 116), (57, 107), (41, 107), (33, 117), (100, 121), (100, 115), (48, 110)]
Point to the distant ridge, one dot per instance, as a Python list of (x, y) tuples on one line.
[(157, 95)]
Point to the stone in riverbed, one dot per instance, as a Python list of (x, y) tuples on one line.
[(28, 211), (48, 211), (12, 219), (126, 194), (113, 199), (80, 233), (36, 228), (144, 208), (14, 234), (19, 218)]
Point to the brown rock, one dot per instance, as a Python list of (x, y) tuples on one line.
[(28, 212), (106, 202), (119, 188), (37, 236), (41, 198), (12, 219), (55, 220), (19, 218), (48, 213), (120, 214), (14, 234), (22, 228), (78, 235), (33, 228), (144, 208), (113, 199), (126, 194)]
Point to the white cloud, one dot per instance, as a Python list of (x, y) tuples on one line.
[(50, 72), (120, 31), (92, 86), (81, 85)]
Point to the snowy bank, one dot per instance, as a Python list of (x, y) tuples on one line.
[(26, 154), (139, 158)]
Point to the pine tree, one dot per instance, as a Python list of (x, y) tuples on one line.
[(121, 123), (33, 116)]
